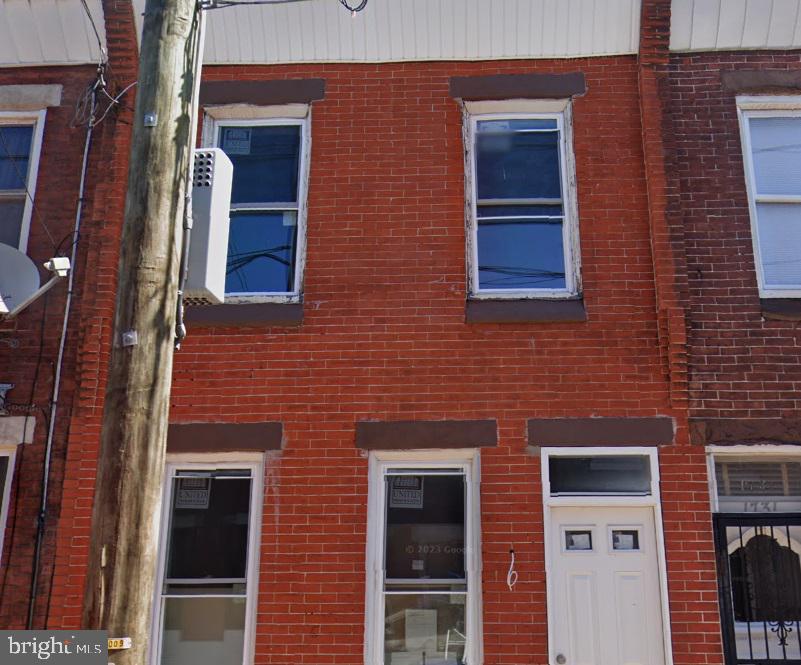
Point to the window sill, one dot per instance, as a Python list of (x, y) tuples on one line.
[(525, 311), (250, 314), (781, 309)]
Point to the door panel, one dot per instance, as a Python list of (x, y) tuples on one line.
[(606, 606)]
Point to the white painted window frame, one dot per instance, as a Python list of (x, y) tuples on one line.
[(561, 111), (248, 116), (209, 462), (765, 106), (37, 120), (11, 453), (653, 500), (767, 452), (466, 461)]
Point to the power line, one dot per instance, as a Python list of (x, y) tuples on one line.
[(221, 4), (103, 54)]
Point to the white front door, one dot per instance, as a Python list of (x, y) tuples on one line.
[(605, 594)]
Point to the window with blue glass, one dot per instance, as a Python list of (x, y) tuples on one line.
[(266, 202), (15, 156), (522, 212)]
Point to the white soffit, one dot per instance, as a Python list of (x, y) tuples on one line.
[(49, 32), (724, 25), (399, 30)]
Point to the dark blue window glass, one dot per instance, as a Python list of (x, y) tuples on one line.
[(266, 163), (520, 255), (15, 150), (261, 252), (518, 165)]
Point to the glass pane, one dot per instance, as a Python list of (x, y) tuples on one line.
[(424, 629), (765, 572), (528, 255), (261, 252), (266, 162), (776, 148), (758, 487), (578, 541), (612, 474), (516, 125), (203, 631), (425, 527), (518, 165), (15, 149), (11, 212), (209, 529), (779, 227), (625, 539)]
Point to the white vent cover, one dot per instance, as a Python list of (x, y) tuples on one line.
[(208, 246)]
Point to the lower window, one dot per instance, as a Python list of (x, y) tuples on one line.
[(424, 589), (6, 475), (758, 544), (208, 564)]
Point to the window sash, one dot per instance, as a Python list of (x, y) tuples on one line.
[(218, 471), (567, 218), (424, 464), (767, 287), (214, 137), (26, 195)]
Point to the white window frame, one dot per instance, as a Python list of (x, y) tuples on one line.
[(652, 500), (248, 116), (380, 462), (561, 111), (208, 462), (36, 119), (785, 106), (9, 452)]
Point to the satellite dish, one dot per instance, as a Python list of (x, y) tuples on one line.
[(19, 278)]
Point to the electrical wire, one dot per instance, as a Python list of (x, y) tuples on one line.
[(103, 54), (51, 424), (222, 4)]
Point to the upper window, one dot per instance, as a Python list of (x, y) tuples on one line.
[(266, 236), (523, 207), (772, 153), (207, 579), (20, 137)]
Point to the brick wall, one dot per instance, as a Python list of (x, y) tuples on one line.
[(742, 365), (29, 344), (384, 338)]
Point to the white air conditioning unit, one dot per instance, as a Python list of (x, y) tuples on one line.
[(208, 245)]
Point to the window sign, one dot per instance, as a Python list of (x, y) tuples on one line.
[(406, 492)]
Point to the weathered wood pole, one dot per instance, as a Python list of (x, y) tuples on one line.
[(125, 531)]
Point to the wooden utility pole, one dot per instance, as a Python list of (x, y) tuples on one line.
[(125, 531)]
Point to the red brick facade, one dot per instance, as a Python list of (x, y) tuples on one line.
[(674, 328)]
